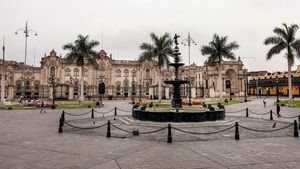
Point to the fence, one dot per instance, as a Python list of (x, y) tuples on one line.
[(169, 127)]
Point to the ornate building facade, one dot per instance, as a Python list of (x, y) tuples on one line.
[(121, 78)]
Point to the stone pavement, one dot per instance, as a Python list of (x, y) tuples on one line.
[(29, 139)]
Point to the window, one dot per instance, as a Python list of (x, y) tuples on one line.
[(67, 72), (52, 71), (118, 73), (147, 73), (133, 73), (76, 72), (126, 73), (126, 86), (102, 70), (85, 72)]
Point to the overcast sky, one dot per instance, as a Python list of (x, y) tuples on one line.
[(125, 24)]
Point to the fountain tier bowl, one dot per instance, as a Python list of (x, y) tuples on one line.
[(166, 115)]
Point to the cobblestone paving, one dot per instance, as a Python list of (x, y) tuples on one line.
[(29, 139)]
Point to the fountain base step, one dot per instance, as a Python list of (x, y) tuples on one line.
[(178, 116)]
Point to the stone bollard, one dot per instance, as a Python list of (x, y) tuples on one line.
[(108, 134), (169, 133), (61, 123), (92, 116), (295, 129), (237, 134), (271, 115), (247, 114)]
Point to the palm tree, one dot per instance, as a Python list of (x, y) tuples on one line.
[(284, 38), (159, 50), (216, 50), (81, 50)]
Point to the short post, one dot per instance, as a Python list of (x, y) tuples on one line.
[(108, 134), (63, 116), (61, 123), (247, 114), (169, 133), (271, 115), (237, 134), (115, 113), (92, 116), (136, 132), (295, 129), (299, 121)]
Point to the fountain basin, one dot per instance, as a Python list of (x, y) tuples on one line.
[(181, 116)]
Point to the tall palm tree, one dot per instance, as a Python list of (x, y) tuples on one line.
[(79, 51), (284, 38), (216, 50), (159, 50)]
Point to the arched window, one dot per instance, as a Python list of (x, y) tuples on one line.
[(67, 72), (52, 71), (118, 73), (133, 73), (76, 72), (147, 73), (126, 73)]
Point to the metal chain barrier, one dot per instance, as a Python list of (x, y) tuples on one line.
[(258, 113), (127, 111), (257, 130), (106, 112), (154, 131), (84, 128), (70, 114), (204, 133), (236, 111), (127, 131)]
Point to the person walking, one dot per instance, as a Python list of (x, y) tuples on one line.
[(278, 110), (265, 102), (42, 107)]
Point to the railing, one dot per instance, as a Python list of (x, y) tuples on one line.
[(137, 132)]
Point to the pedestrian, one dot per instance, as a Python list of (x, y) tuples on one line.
[(42, 108), (265, 102), (278, 110), (226, 101)]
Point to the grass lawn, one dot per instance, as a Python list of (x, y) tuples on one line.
[(296, 103), (60, 105)]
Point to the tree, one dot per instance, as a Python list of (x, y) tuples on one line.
[(216, 50), (285, 38), (79, 51), (159, 50)]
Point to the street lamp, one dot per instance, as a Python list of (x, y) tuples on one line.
[(188, 42), (140, 90), (132, 90), (277, 91), (246, 86), (53, 81), (26, 31)]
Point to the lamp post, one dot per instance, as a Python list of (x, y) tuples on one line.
[(26, 31), (246, 86), (53, 81), (3, 74), (140, 90), (188, 42), (277, 91), (133, 90)]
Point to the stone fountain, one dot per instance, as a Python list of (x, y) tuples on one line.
[(177, 112)]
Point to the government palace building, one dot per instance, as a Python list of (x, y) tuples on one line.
[(121, 79)]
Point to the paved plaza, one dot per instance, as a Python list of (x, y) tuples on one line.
[(29, 139)]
